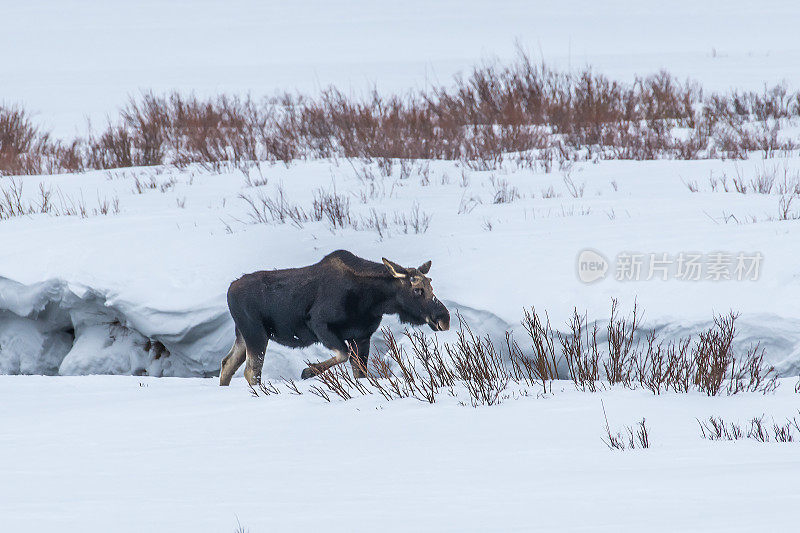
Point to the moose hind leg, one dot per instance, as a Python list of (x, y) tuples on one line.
[(232, 361), (256, 347)]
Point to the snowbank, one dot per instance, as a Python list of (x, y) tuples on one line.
[(143, 291), (49, 329), (53, 328)]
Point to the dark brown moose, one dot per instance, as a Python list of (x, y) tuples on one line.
[(338, 302)]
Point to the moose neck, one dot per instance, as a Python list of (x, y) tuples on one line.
[(390, 304), (378, 294), (383, 295)]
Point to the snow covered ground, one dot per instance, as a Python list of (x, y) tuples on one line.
[(137, 285), (130, 454), (158, 270)]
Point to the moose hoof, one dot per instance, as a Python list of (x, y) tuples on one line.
[(308, 372), (252, 378)]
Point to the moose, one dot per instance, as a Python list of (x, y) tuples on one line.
[(338, 302)]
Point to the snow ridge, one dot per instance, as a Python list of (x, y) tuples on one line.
[(58, 328)]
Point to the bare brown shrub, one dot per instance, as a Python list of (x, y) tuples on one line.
[(26, 149), (333, 207), (713, 355), (14, 203), (489, 373), (579, 350), (638, 435), (542, 365), (716, 428), (521, 112)]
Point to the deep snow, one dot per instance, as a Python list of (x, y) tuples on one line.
[(130, 454)]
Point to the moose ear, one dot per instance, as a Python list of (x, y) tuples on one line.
[(425, 268), (394, 269)]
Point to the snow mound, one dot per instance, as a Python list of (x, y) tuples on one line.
[(56, 328)]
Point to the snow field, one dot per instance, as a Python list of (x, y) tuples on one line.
[(89, 453)]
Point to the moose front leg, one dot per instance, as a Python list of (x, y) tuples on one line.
[(359, 360), (340, 349), (313, 369)]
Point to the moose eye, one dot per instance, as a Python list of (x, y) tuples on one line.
[(417, 292)]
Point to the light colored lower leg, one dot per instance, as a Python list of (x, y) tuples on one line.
[(252, 370), (339, 357), (232, 362)]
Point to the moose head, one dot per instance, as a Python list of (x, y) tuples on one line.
[(415, 301)]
